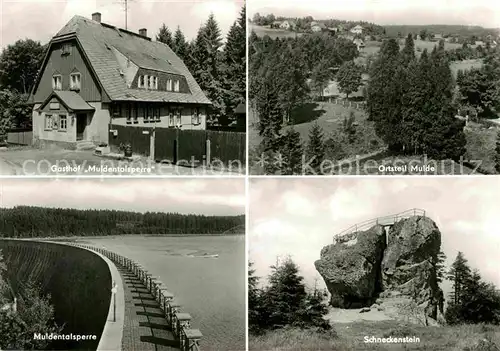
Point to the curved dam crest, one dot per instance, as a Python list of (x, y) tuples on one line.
[(78, 281)]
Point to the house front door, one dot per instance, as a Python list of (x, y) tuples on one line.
[(81, 123)]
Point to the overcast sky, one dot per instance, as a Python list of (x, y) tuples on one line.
[(42, 19), (485, 13), (203, 196), (299, 217)]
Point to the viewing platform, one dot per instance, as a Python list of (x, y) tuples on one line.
[(385, 221)]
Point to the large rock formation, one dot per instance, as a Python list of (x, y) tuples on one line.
[(351, 267), (384, 263)]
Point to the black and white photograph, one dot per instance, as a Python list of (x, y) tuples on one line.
[(374, 263), (122, 264), (374, 87), (122, 87)]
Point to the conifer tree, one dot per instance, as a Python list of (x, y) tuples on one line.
[(459, 274), (254, 315), (179, 44), (165, 35), (315, 148), (290, 151), (408, 52)]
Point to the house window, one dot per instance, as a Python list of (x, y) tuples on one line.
[(48, 122), (151, 82), (147, 113), (63, 122), (178, 122), (141, 82), (155, 83), (57, 82), (126, 112), (140, 111), (169, 84), (176, 85), (195, 118), (75, 81), (157, 114), (171, 118), (65, 49), (146, 81), (134, 113)]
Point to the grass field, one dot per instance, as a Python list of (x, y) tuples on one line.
[(464, 65), (272, 32), (350, 336), (329, 117), (481, 142)]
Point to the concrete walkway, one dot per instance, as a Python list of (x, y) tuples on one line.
[(144, 328)]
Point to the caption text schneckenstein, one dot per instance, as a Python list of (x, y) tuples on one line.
[(71, 337), (391, 340)]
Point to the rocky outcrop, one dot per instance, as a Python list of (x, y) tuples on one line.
[(383, 264), (351, 268)]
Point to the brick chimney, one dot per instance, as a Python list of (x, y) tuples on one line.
[(96, 16), (143, 32)]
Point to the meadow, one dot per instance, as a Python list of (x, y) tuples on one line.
[(350, 336)]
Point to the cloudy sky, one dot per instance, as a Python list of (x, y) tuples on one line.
[(298, 217), (204, 196), (42, 19), (478, 12)]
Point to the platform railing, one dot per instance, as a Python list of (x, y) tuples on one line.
[(384, 220), (179, 322)]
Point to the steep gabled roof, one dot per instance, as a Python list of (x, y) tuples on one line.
[(97, 40), (71, 100)]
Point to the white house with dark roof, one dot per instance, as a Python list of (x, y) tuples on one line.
[(95, 74), (357, 30)]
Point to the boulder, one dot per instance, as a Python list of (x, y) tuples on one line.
[(351, 267), (408, 263)]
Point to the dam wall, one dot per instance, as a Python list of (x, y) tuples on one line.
[(78, 280)]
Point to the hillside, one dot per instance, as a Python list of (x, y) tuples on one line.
[(458, 30)]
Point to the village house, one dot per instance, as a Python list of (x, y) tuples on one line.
[(359, 43), (357, 30), (276, 24), (288, 25), (318, 27), (95, 74)]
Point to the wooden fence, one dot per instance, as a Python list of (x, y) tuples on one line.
[(20, 137), (179, 322), (346, 103), (175, 145)]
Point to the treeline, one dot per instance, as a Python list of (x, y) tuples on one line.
[(285, 301), (219, 69), (19, 64), (411, 101), (471, 300), (478, 92), (303, 24), (32, 222), (464, 33)]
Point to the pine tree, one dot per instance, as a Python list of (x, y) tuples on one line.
[(408, 52), (179, 44), (315, 148), (291, 152), (165, 35), (254, 310), (285, 295), (459, 274)]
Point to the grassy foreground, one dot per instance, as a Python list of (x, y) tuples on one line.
[(350, 336)]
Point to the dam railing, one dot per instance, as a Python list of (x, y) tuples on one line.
[(179, 322), (384, 220)]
